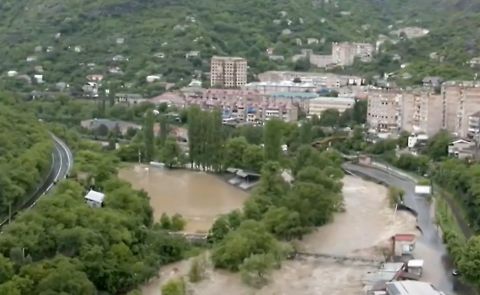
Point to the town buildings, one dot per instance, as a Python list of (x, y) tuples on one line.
[(318, 80), (228, 72), (318, 105), (342, 54)]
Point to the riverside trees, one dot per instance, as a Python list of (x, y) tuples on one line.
[(251, 241)]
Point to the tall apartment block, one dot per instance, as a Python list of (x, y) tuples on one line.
[(228, 72), (461, 100), (383, 110), (413, 111), (456, 109)]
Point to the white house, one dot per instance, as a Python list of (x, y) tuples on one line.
[(95, 199)]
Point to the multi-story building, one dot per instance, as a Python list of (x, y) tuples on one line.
[(420, 112), (383, 110), (319, 80), (344, 53), (461, 100), (318, 105), (228, 72), (474, 126), (282, 86)]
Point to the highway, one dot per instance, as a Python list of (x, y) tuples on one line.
[(62, 163), (430, 246)]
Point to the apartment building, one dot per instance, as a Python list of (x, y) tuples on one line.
[(228, 72), (318, 105), (415, 111), (383, 110), (461, 100), (344, 53), (421, 112)]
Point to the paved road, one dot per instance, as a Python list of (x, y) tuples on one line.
[(430, 246), (62, 162)]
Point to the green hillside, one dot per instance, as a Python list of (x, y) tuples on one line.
[(25, 153), (245, 28)]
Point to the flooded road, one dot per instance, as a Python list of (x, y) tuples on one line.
[(363, 230), (199, 197)]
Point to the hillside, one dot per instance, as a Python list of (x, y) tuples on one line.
[(25, 153), (67, 40)]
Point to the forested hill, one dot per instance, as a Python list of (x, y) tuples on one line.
[(25, 153), (67, 40)]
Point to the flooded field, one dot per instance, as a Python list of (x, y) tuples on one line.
[(363, 230), (198, 196)]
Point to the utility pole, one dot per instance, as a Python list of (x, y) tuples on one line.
[(139, 156)]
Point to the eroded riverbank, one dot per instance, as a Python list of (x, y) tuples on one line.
[(362, 230)]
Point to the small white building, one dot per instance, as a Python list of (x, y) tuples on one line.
[(95, 199)]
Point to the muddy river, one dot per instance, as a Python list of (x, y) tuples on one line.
[(363, 230), (199, 197)]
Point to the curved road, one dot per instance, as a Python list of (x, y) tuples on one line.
[(430, 246), (62, 162)]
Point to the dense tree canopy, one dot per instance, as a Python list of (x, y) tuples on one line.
[(25, 156)]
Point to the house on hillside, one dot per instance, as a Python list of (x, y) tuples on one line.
[(94, 199)]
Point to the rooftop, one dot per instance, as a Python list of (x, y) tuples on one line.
[(95, 196), (411, 288), (405, 237), (228, 58), (334, 99)]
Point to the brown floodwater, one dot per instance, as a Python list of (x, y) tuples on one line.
[(361, 230), (199, 197)]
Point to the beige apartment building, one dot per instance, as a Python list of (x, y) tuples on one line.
[(421, 112), (461, 100), (456, 110), (228, 72), (383, 110)]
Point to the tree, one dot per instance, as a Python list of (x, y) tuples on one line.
[(329, 118), (256, 269), (437, 146), (177, 222), (6, 269), (170, 153), (469, 263), (273, 140), (234, 152), (148, 136), (164, 130), (249, 239), (283, 223), (174, 287), (165, 221), (197, 269), (253, 158), (359, 112)]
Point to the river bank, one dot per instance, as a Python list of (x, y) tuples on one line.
[(362, 230)]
